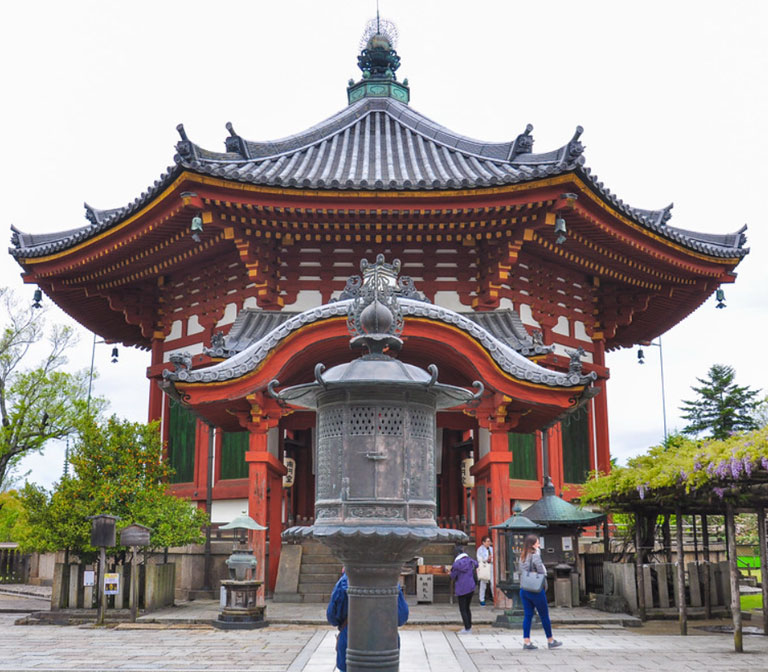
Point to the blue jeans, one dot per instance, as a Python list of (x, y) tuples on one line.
[(536, 601)]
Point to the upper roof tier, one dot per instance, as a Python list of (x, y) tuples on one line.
[(379, 144)]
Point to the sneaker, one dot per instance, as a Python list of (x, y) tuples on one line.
[(465, 631), (482, 603), (530, 646), (554, 644)]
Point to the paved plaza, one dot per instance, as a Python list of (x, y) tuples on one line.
[(295, 648)]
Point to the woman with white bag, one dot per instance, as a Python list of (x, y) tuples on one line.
[(485, 568), (533, 592)]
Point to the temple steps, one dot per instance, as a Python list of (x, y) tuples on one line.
[(314, 571)]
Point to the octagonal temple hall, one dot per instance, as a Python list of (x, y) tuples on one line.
[(518, 268)]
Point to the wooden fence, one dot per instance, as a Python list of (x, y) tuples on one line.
[(13, 565)]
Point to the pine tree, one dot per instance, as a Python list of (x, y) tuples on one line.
[(722, 407)]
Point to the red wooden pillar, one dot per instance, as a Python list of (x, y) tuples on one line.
[(265, 474), (155, 393), (492, 471), (600, 408)]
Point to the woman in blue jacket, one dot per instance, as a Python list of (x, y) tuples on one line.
[(337, 615)]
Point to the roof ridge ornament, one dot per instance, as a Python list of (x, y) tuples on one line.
[(235, 143), (378, 61), (185, 147), (523, 144)]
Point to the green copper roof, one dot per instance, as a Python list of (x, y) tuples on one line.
[(518, 523), (552, 509)]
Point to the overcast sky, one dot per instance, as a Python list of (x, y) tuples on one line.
[(672, 97)]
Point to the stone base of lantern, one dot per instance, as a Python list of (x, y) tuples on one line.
[(511, 618), (241, 612)]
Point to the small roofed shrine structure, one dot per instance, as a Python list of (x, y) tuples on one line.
[(518, 268)]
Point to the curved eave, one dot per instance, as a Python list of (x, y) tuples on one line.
[(507, 363)]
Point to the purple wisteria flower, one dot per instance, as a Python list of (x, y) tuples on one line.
[(747, 466), (719, 492), (764, 462), (697, 466), (736, 467), (722, 469), (641, 491), (711, 469), (683, 476)]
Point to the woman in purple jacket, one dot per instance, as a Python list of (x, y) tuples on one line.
[(462, 572)]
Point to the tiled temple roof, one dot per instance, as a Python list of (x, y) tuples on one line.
[(264, 341), (379, 144)]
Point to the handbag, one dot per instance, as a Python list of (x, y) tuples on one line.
[(484, 571), (533, 582)]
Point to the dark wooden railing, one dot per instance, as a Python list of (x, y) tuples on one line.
[(13, 565)]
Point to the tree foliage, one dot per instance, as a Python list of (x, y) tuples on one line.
[(40, 403), (722, 407), (11, 514), (117, 468)]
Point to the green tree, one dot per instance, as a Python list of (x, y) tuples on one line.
[(117, 468), (722, 407), (11, 514), (40, 403)]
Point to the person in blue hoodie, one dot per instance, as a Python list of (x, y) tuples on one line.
[(336, 614), (462, 573)]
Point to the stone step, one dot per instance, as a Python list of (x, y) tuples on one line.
[(323, 579), (321, 568)]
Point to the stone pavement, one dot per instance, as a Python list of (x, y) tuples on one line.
[(301, 648)]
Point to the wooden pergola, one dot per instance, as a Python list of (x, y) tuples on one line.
[(744, 493)]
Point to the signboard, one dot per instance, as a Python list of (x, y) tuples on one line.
[(135, 535), (89, 578), (290, 476), (467, 479), (111, 583), (567, 543)]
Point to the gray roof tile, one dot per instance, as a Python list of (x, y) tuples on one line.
[(379, 144)]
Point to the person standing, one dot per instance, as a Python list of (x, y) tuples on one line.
[(530, 561), (337, 613), (462, 573), (485, 568)]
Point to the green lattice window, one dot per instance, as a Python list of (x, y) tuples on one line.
[(575, 431), (181, 443), (233, 448), (523, 449)]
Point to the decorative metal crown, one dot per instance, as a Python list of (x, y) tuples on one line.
[(375, 320)]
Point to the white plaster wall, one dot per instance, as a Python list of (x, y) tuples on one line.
[(580, 331), (230, 313), (194, 349), (176, 331), (505, 303), (251, 302), (225, 510), (450, 300), (562, 327), (194, 326), (305, 299), (483, 443), (561, 349), (526, 316)]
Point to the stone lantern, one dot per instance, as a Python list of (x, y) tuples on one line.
[(375, 491), (241, 609), (512, 534)]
